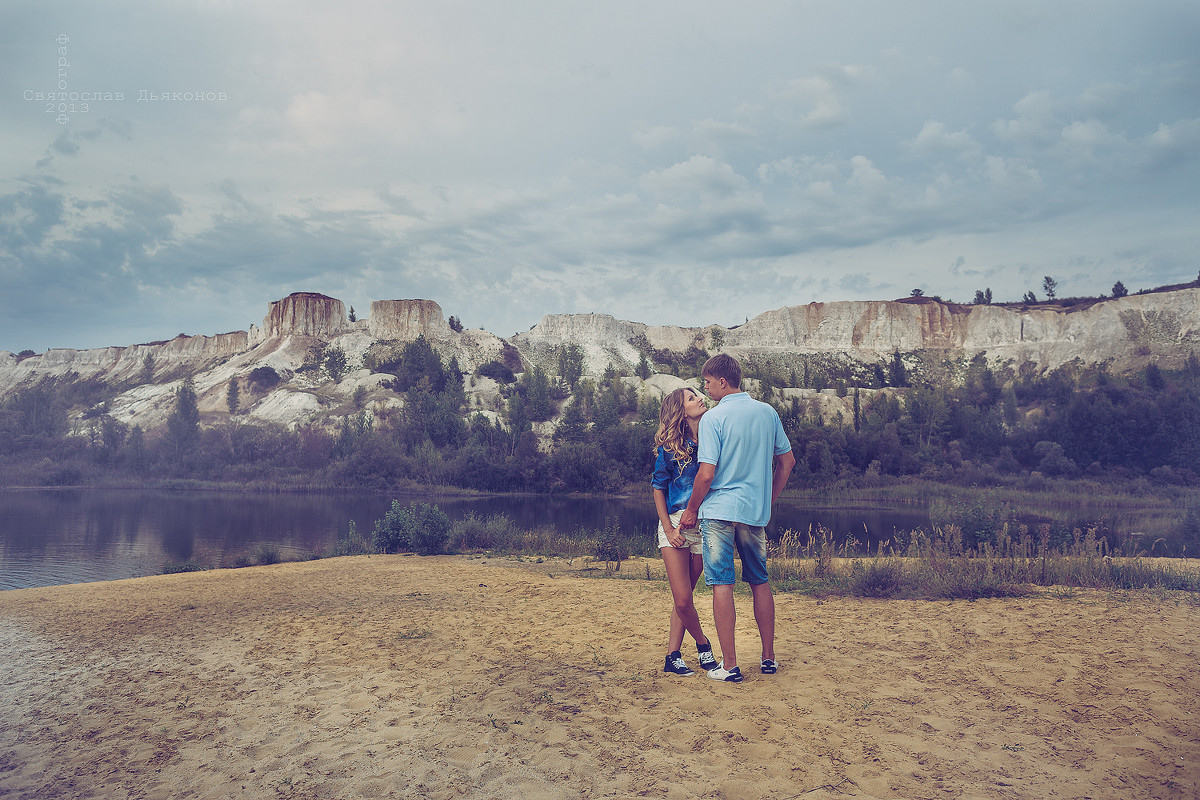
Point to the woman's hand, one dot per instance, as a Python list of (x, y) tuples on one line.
[(676, 538)]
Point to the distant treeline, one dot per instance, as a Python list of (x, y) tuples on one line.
[(971, 425)]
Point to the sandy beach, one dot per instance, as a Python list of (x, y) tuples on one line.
[(452, 676)]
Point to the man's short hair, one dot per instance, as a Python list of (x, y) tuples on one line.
[(723, 365)]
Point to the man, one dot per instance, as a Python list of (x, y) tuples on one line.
[(745, 461)]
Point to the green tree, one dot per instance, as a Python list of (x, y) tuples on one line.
[(136, 454), (498, 372), (608, 407), (419, 527), (537, 395), (183, 426), (264, 378), (112, 438), (1050, 287), (643, 368), (572, 427), (231, 397), (147, 373), (1119, 290), (897, 374), (334, 363), (570, 364)]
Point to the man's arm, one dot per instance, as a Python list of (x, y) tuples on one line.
[(700, 487), (784, 462)]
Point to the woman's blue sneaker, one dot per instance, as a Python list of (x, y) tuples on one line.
[(675, 665)]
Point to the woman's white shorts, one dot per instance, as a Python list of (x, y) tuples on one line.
[(692, 536)]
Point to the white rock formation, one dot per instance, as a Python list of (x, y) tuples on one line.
[(1126, 333)]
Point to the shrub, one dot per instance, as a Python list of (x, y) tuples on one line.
[(352, 544), (267, 553), (421, 528), (880, 578), (174, 567), (496, 532), (498, 372), (265, 377), (611, 547)]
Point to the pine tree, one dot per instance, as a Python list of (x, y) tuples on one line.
[(570, 364), (183, 426)]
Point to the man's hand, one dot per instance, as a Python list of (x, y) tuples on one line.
[(704, 479)]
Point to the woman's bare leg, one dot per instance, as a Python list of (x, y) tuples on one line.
[(682, 576)]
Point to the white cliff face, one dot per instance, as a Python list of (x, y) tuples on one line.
[(305, 314), (1168, 322), (122, 363), (405, 320), (603, 339), (1126, 333)]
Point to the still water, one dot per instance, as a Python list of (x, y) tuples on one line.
[(73, 536)]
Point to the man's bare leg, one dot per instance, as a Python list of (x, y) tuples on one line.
[(725, 617), (764, 615)]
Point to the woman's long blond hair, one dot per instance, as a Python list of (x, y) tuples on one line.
[(673, 429)]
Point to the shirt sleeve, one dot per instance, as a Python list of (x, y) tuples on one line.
[(709, 451), (782, 444), (661, 477)]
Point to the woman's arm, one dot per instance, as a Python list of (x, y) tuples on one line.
[(660, 503)]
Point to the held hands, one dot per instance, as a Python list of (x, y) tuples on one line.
[(688, 520), (675, 538)]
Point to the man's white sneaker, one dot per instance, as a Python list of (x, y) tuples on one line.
[(728, 675)]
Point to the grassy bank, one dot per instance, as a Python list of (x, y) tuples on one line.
[(919, 565)]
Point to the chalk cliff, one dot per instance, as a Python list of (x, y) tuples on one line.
[(305, 314), (1125, 333)]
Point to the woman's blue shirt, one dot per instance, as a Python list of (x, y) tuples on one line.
[(675, 481)]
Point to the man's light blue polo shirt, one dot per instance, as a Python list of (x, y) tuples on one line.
[(741, 437)]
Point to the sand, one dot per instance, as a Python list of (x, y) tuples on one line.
[(447, 677)]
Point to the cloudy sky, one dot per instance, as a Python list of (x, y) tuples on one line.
[(666, 162)]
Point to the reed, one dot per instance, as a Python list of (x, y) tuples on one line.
[(940, 565)]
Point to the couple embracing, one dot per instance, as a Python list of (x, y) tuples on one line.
[(716, 476)]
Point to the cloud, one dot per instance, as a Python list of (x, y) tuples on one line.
[(1173, 145), (820, 97), (934, 141), (511, 162), (655, 137), (699, 176)]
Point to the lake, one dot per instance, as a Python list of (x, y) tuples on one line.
[(50, 537)]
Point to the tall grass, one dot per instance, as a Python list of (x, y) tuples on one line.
[(500, 534), (939, 565)]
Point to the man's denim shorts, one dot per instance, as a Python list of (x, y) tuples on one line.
[(720, 539)]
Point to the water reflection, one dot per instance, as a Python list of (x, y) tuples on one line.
[(68, 536)]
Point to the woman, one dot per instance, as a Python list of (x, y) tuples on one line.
[(674, 471)]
